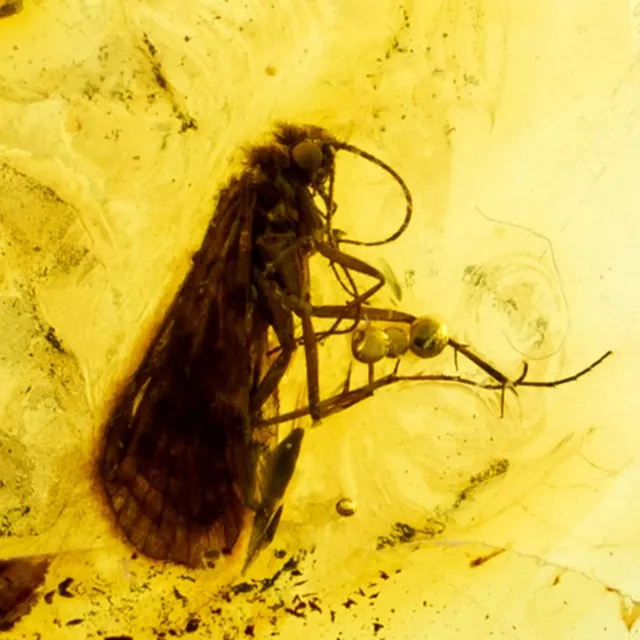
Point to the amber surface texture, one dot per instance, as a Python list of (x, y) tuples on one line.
[(516, 126)]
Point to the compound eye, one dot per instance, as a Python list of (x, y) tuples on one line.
[(308, 156), (428, 337), (369, 345)]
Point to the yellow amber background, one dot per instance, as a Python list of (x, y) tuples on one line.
[(516, 126)]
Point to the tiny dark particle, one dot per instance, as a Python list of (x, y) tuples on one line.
[(150, 45), (349, 603), (377, 626), (187, 123), (383, 575), (48, 597), (192, 625), (333, 615), (63, 588), (242, 587), (293, 612), (216, 612), (480, 560), (53, 340), (383, 543), (314, 606), (279, 553), (74, 622), (361, 592), (406, 532), (118, 638), (290, 565), (160, 79), (373, 596), (248, 631), (267, 583), (178, 595)]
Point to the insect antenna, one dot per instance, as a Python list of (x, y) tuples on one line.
[(334, 237), (396, 176)]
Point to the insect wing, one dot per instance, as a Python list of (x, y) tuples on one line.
[(175, 454), (275, 479)]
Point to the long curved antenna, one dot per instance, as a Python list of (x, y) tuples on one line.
[(394, 174)]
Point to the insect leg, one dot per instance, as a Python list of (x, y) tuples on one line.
[(343, 400), (283, 327), (311, 352), (347, 399), (375, 314), (355, 264), (281, 307), (390, 315)]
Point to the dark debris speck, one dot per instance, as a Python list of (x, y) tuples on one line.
[(63, 588), (53, 340), (178, 595), (243, 587), (192, 625), (314, 606), (74, 622)]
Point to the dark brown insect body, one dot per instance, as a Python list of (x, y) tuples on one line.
[(189, 455), (182, 465)]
